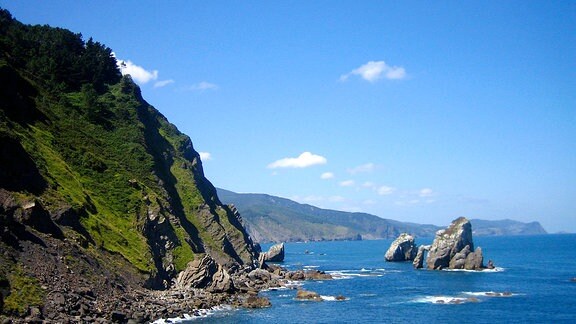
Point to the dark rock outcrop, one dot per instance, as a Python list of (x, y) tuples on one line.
[(452, 248), (275, 253), (207, 274), (402, 249)]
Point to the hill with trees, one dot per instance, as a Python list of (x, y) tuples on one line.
[(94, 180)]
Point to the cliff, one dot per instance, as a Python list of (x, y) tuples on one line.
[(91, 174)]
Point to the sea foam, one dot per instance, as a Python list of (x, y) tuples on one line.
[(198, 315)]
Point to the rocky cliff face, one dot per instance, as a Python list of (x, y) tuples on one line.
[(87, 164)]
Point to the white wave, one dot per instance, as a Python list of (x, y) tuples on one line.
[(445, 300), (350, 275), (291, 284), (365, 275), (340, 276), (311, 266), (198, 314), (331, 298), (368, 295), (496, 269), (490, 294)]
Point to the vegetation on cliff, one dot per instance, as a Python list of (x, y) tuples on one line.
[(84, 157)]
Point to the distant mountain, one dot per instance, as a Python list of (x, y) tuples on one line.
[(505, 227), (273, 219)]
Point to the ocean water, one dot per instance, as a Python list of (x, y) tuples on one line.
[(532, 283)]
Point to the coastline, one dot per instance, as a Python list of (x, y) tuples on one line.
[(77, 284)]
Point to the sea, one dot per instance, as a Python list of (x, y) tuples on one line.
[(532, 283)]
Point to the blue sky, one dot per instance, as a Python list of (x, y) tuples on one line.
[(411, 110)]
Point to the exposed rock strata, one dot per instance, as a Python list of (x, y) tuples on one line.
[(207, 274), (402, 249)]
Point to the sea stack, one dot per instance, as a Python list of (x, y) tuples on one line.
[(453, 248), (275, 253), (402, 249)]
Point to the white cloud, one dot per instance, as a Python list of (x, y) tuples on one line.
[(375, 70), (368, 167), (312, 199), (327, 175), (426, 192), (205, 156), (203, 86), (385, 190), (160, 84), (139, 74), (347, 183), (304, 160), (368, 184)]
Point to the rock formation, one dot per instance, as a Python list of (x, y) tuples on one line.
[(275, 253), (402, 249), (207, 274), (452, 248), (308, 295), (419, 259)]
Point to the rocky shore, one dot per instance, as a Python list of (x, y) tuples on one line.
[(77, 288)]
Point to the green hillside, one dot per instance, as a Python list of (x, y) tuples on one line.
[(84, 158)]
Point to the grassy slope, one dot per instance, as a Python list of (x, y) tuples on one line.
[(107, 164)]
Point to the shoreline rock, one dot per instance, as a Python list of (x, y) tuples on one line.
[(308, 295)]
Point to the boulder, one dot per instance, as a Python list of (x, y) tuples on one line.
[(256, 302), (402, 249), (308, 295), (275, 253), (452, 248), (308, 275), (207, 274), (419, 259)]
